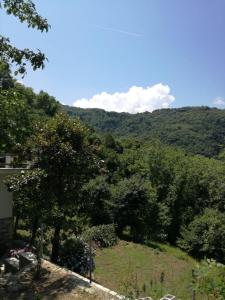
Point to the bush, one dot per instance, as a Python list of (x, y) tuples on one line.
[(75, 255), (103, 235), (209, 279), (205, 236)]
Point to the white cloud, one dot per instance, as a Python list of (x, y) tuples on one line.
[(136, 100), (219, 101)]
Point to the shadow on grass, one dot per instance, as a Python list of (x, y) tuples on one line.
[(154, 246), (125, 236)]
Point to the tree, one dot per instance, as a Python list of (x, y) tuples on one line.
[(97, 192), (61, 150), (20, 109), (30, 194), (47, 103), (25, 11), (135, 207), (15, 120), (6, 80), (205, 236)]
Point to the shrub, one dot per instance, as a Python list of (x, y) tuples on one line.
[(75, 255), (209, 279), (205, 236), (103, 235)]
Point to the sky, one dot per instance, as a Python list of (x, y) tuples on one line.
[(128, 55)]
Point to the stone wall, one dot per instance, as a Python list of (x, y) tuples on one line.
[(5, 232)]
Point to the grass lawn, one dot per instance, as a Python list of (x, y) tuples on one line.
[(119, 266)]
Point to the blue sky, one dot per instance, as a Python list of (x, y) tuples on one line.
[(97, 46)]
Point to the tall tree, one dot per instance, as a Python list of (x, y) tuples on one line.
[(63, 153), (135, 207)]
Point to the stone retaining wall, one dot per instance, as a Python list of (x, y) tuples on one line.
[(5, 232)]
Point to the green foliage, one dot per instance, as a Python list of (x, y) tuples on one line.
[(6, 80), (98, 196), (30, 193), (198, 130), (103, 235), (209, 279), (15, 120), (60, 150), (75, 255), (25, 11), (205, 236), (130, 287), (152, 192), (111, 143), (47, 103), (148, 190), (135, 207), (20, 110)]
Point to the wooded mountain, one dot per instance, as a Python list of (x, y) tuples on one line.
[(198, 130)]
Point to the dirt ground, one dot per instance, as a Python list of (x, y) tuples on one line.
[(55, 283)]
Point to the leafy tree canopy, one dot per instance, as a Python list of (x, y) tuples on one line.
[(20, 110), (205, 236), (25, 11), (15, 121)]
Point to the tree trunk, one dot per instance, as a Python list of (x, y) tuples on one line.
[(56, 243), (34, 231)]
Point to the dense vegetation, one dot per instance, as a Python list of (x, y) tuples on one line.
[(198, 130), (148, 178), (20, 110), (148, 190)]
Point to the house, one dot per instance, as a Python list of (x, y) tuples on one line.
[(6, 201)]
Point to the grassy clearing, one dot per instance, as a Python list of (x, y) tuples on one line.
[(127, 261)]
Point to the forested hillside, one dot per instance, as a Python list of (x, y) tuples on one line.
[(198, 130), (97, 185)]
